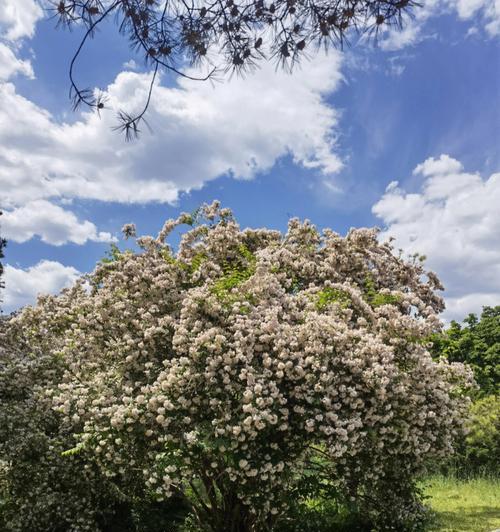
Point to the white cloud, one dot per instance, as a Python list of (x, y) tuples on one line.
[(53, 224), (453, 220), (38, 217), (23, 285), (484, 14), (10, 65), (443, 166), (130, 65), (412, 31), (487, 11), (18, 18), (200, 132)]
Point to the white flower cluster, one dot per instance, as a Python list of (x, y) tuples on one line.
[(40, 486), (224, 370)]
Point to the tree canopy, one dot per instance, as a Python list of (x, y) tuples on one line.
[(477, 343), (222, 35)]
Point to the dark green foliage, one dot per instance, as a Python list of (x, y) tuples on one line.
[(319, 505), (476, 342), (145, 515), (322, 516)]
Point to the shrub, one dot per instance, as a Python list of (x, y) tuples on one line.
[(228, 373), (39, 488), (482, 443)]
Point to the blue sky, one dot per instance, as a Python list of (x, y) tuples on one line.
[(327, 143)]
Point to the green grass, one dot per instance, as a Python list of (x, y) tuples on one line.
[(471, 505)]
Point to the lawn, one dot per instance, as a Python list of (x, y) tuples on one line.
[(464, 505)]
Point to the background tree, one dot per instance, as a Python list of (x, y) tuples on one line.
[(222, 35), (477, 343)]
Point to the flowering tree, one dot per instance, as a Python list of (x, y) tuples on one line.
[(250, 366)]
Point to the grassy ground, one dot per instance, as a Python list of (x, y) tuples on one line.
[(464, 505)]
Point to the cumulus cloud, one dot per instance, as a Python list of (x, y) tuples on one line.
[(52, 223), (486, 11), (198, 133), (23, 285), (453, 220), (18, 18), (483, 14), (131, 64), (11, 65), (39, 217), (412, 31)]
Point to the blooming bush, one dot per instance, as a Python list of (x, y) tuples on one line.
[(243, 370), (40, 489)]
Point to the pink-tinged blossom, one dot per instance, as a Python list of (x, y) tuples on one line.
[(248, 355)]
